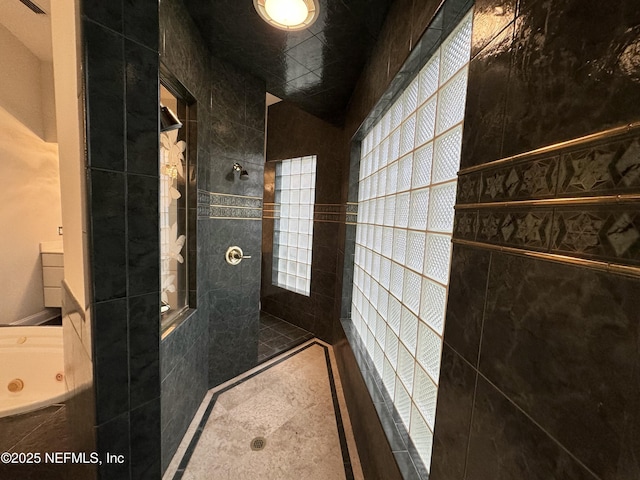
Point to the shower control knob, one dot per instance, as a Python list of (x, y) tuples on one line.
[(234, 255)]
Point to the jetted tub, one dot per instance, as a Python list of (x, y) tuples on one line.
[(31, 368)]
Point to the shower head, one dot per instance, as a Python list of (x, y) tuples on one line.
[(168, 119), (243, 173)]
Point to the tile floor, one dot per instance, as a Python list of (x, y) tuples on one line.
[(41, 431), (295, 403), (277, 336)]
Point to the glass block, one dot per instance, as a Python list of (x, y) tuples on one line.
[(421, 437), (402, 402), (380, 329), (295, 182), (383, 302), (367, 286), (433, 303), (365, 185), (438, 257), (425, 395), (371, 213), (429, 78), (382, 182), (394, 312), (386, 124), (376, 134), (414, 257), (429, 351), (409, 331), (394, 146), (411, 291), (308, 164), (455, 50), (446, 161), (399, 245), (408, 135), (391, 347), (371, 316), (387, 242), (410, 97), (375, 159), (389, 210), (405, 367), (378, 357), (375, 271), (402, 210), (389, 378), (441, 202), (371, 342), (426, 122), (374, 185), (405, 165), (379, 218), (451, 102), (418, 209), (383, 158), (385, 270), (421, 172), (396, 114), (397, 278), (377, 238), (392, 178), (373, 294), (296, 166)]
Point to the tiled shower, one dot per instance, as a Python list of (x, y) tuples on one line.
[(495, 409)]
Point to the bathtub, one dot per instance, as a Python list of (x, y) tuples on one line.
[(31, 368)]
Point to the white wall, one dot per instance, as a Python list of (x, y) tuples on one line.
[(23, 93), (30, 214), (70, 126)]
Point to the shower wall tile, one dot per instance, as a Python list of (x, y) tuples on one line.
[(465, 305), (455, 393), (141, 99), (143, 249), (122, 136), (549, 99), (233, 338), (561, 342), (111, 359), (490, 17), (505, 444), (108, 230), (108, 14), (141, 22), (144, 363), (105, 97), (486, 98), (184, 369), (145, 441), (114, 437)]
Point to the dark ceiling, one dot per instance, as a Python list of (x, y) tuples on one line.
[(316, 68)]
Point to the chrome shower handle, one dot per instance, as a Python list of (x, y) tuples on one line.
[(235, 255)]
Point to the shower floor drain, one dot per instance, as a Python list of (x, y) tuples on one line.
[(258, 443)]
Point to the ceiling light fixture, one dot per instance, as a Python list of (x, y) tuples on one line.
[(288, 14)]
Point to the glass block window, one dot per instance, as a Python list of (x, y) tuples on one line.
[(407, 190), (295, 193)]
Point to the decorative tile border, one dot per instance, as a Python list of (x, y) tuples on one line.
[(322, 212), (574, 202), (607, 233), (352, 213), (225, 206), (605, 165)]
